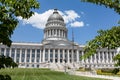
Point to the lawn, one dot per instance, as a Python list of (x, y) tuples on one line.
[(40, 74)]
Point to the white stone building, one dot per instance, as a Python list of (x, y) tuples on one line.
[(56, 49)]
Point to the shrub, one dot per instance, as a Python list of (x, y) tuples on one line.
[(6, 77), (107, 70), (87, 69), (115, 71)]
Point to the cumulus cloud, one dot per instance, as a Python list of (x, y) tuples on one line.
[(39, 20), (77, 24), (70, 16)]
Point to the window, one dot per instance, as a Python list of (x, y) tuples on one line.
[(13, 52), (27, 65), (18, 50), (28, 60), (38, 55), (18, 54), (2, 51), (17, 60), (51, 53), (32, 65), (23, 51), (75, 57), (37, 66), (28, 50), (56, 55), (23, 55), (38, 50), (32, 60), (61, 55), (7, 51), (37, 60), (46, 56), (28, 55), (12, 55), (33, 50), (33, 55), (22, 60)]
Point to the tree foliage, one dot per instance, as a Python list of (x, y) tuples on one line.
[(6, 61), (9, 10), (117, 60), (5, 77), (113, 4), (105, 39)]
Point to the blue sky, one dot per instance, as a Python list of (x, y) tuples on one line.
[(84, 18)]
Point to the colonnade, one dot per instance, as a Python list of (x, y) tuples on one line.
[(36, 56), (55, 33)]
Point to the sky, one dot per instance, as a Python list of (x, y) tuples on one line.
[(84, 18)]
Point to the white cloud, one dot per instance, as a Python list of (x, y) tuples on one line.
[(39, 20), (70, 16), (77, 24)]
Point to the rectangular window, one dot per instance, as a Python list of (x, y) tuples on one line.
[(18, 51), (37, 60), (13, 50), (28, 50), (22, 60), (33, 50), (7, 51), (17, 60), (51, 53), (46, 56), (61, 56), (23, 51), (75, 57), (32, 60), (28, 60), (28, 55), (2, 51), (38, 50), (12, 55), (33, 55), (18, 55), (23, 55), (32, 65), (38, 55)]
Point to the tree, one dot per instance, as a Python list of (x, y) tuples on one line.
[(105, 39), (6, 61), (2, 59), (9, 11), (5, 77), (117, 60), (113, 4)]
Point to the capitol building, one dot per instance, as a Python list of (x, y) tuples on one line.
[(55, 50)]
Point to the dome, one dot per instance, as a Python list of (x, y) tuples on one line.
[(55, 16)]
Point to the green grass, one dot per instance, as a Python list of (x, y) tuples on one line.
[(40, 74)]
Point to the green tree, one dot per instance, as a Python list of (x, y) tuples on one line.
[(117, 60), (6, 61), (105, 39), (113, 4), (2, 61), (9, 10), (109, 39)]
